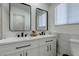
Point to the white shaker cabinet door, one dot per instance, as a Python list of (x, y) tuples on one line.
[(52, 50)]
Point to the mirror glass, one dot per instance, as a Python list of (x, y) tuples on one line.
[(20, 17), (41, 19)]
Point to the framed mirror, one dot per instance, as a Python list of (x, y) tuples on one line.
[(20, 16), (41, 19)]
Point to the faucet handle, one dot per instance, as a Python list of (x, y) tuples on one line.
[(25, 35), (17, 35)]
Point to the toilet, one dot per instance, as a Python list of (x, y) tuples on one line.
[(74, 46)]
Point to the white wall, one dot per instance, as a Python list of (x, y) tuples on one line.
[(51, 17), (66, 31), (5, 18)]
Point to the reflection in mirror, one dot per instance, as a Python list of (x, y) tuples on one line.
[(41, 19), (20, 17)]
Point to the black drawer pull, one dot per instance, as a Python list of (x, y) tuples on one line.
[(23, 46), (49, 41)]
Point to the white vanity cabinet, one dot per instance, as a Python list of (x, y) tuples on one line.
[(27, 48), (48, 47), (51, 43), (51, 49), (35, 47)]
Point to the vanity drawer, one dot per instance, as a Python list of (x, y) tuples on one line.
[(9, 48), (34, 43), (51, 40), (44, 41)]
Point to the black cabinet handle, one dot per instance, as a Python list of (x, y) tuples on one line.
[(50, 47), (23, 46), (49, 41), (47, 48)]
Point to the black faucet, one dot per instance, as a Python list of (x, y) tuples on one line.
[(22, 34)]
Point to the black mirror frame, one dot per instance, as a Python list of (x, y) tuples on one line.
[(9, 16), (36, 19)]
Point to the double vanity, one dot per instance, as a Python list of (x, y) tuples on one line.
[(41, 45)]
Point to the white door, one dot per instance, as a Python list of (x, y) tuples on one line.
[(52, 49), (32, 52), (20, 53), (46, 50)]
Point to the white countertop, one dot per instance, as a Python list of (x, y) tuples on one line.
[(21, 39)]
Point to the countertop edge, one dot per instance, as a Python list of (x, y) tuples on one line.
[(5, 42)]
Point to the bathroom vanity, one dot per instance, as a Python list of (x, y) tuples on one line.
[(44, 45)]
